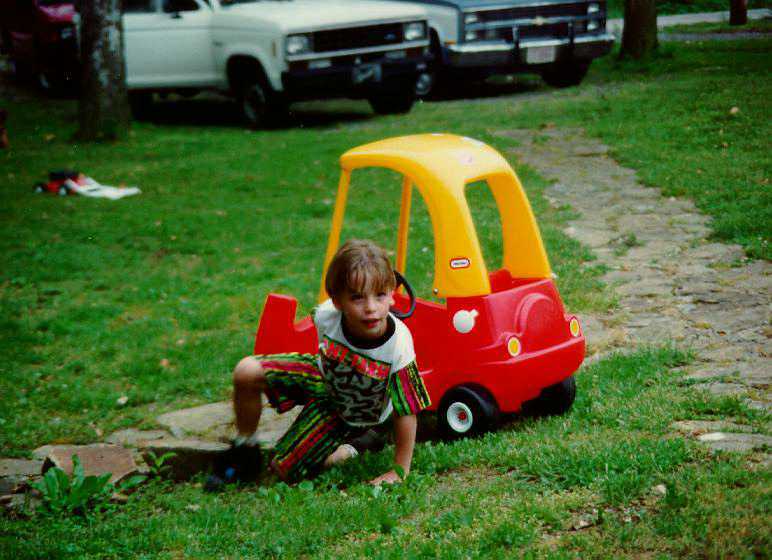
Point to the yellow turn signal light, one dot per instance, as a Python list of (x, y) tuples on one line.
[(513, 346), (574, 326)]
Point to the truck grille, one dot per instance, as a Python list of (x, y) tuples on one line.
[(358, 37), (545, 11)]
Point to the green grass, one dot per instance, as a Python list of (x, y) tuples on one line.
[(520, 491), (753, 26), (156, 297), (616, 8)]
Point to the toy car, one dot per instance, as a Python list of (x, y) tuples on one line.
[(502, 342)]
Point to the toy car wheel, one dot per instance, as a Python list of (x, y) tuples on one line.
[(566, 74), (466, 411), (39, 188), (63, 191), (554, 400)]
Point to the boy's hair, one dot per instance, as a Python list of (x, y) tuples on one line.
[(359, 266)]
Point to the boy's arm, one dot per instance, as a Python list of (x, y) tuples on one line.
[(404, 441)]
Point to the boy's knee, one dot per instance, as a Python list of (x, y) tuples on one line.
[(248, 375)]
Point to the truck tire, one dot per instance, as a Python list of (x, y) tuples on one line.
[(566, 74), (466, 411), (140, 103), (260, 107), (392, 104), (554, 400)]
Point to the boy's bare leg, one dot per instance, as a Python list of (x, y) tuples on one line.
[(248, 387)]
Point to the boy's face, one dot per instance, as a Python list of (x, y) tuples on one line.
[(365, 312)]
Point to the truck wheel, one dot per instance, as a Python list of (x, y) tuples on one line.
[(553, 400), (254, 105), (393, 104), (466, 411), (140, 103), (565, 74)]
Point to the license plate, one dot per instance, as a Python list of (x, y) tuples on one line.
[(367, 73), (540, 55)]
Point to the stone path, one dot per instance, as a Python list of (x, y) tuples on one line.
[(673, 285)]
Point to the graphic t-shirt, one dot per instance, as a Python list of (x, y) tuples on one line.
[(369, 379)]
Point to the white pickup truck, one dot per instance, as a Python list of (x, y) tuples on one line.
[(268, 53)]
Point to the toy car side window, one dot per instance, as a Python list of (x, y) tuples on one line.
[(487, 221)]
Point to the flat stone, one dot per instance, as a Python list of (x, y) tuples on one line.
[(723, 441), (97, 459), (199, 420), (131, 437), (215, 422), (698, 427), (16, 474), (723, 389), (191, 456)]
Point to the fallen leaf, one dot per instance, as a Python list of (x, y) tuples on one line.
[(164, 363), (734, 110), (122, 400)]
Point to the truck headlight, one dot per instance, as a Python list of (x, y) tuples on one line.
[(593, 8), (414, 31), (472, 36), (471, 18), (298, 44), (592, 25)]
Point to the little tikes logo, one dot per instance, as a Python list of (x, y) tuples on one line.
[(459, 262)]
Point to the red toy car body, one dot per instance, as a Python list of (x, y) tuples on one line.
[(506, 345)]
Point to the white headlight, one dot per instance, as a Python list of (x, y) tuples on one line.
[(414, 31), (592, 25), (471, 36), (297, 44), (593, 8), (470, 18)]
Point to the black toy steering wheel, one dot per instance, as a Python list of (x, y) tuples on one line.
[(402, 282)]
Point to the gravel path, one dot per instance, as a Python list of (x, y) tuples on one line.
[(673, 285)]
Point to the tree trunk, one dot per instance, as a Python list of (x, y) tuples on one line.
[(738, 12), (639, 37), (104, 104)]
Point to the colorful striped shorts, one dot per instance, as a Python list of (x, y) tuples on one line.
[(295, 379)]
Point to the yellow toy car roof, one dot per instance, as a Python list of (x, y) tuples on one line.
[(440, 166)]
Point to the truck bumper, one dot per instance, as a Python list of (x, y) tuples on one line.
[(527, 53), (352, 77)]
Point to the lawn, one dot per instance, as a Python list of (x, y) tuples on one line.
[(155, 298), (616, 8)]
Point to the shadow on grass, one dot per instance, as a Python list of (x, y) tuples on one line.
[(215, 111)]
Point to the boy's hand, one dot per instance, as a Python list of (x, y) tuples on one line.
[(389, 478)]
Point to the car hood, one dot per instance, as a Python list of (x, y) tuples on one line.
[(306, 15)]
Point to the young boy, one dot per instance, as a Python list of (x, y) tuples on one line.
[(364, 371)]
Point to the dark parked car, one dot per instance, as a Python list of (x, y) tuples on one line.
[(478, 38), (41, 40)]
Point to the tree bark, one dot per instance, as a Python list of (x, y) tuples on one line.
[(639, 37), (738, 12), (104, 104)]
